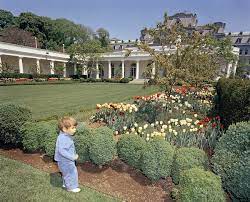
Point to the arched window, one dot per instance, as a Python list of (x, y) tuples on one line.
[(238, 40)]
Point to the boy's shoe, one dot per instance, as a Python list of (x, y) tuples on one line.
[(63, 186), (76, 190)]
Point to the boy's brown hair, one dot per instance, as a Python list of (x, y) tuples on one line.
[(66, 122)]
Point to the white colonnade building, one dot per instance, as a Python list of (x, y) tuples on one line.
[(25, 59)]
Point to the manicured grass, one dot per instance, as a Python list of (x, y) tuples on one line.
[(20, 182), (55, 100)]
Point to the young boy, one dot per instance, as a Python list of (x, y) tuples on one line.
[(65, 153)]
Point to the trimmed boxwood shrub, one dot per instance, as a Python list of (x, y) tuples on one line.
[(12, 117), (103, 147), (124, 80), (199, 185), (83, 138), (237, 179), (231, 160), (157, 159), (130, 148), (34, 135), (51, 137), (186, 158), (233, 101)]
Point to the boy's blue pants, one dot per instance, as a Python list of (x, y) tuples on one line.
[(69, 173)]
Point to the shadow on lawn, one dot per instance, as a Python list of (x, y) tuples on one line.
[(55, 179)]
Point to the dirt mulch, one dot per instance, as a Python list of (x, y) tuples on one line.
[(117, 179)]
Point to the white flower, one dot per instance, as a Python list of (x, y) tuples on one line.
[(135, 124), (145, 126), (140, 128), (147, 135), (195, 115), (127, 133), (161, 122), (132, 129), (147, 138), (124, 127), (152, 125), (170, 111), (162, 130), (184, 112), (164, 105), (201, 126), (170, 130), (175, 133), (157, 122), (184, 130), (116, 132)]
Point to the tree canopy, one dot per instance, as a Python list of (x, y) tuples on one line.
[(185, 56), (52, 34)]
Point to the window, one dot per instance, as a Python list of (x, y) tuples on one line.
[(248, 61), (248, 41), (240, 52), (238, 40), (112, 72), (246, 51)]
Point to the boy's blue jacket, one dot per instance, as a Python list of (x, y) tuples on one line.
[(65, 148)]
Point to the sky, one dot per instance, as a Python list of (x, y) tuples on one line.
[(125, 18)]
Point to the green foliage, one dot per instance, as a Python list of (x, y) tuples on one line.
[(186, 158), (34, 135), (83, 139), (103, 147), (233, 100), (6, 19), (231, 160), (50, 141), (157, 159), (194, 59), (130, 148), (12, 117), (199, 185)]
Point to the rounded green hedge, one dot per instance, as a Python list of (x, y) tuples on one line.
[(231, 160), (199, 185), (130, 148), (186, 158), (34, 135), (51, 137), (12, 117), (83, 139), (157, 159), (103, 147)]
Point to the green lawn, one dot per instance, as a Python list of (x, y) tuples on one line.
[(50, 100), (21, 182)]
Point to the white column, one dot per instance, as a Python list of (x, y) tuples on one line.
[(84, 69), (137, 69), (153, 71), (123, 68), (52, 67), (38, 70), (228, 69), (235, 68), (97, 70), (20, 65), (1, 64), (64, 70), (75, 70), (109, 70)]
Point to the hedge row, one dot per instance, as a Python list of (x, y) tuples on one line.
[(233, 103), (92, 80), (153, 158), (231, 160), (28, 76)]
